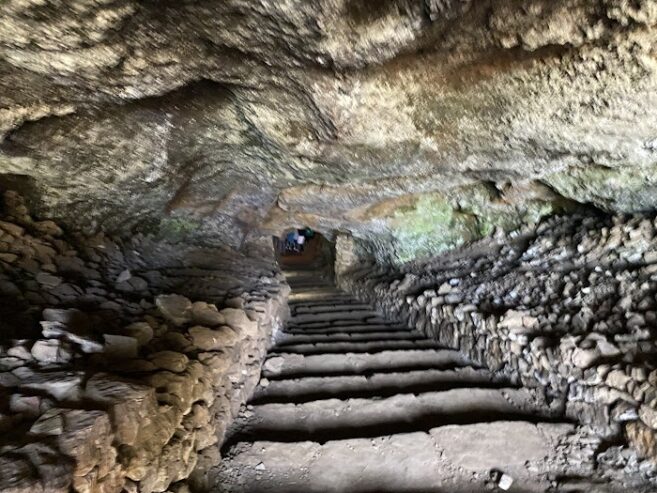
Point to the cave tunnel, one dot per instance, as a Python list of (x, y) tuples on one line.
[(328, 246)]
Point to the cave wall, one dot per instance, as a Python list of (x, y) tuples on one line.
[(169, 140), (567, 308), (123, 362), (229, 120)]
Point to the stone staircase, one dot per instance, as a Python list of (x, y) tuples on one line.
[(351, 402)]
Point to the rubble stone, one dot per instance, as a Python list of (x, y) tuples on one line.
[(175, 308)]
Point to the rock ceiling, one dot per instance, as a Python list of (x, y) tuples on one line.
[(421, 122)]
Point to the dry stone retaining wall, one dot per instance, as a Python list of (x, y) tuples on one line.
[(569, 309), (108, 385)]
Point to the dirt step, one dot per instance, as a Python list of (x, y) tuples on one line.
[(334, 419), (286, 339), (454, 459), (299, 390), (355, 347), (297, 365)]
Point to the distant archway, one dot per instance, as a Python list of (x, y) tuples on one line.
[(304, 249)]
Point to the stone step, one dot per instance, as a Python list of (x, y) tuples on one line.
[(341, 307), (331, 419), (347, 326), (317, 285), (355, 347), (287, 339), (319, 297), (345, 300), (454, 459), (302, 286), (332, 317), (323, 301), (298, 390), (297, 365)]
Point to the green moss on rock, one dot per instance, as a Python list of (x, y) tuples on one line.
[(177, 228), (625, 190), (434, 223)]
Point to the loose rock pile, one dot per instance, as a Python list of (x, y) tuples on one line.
[(108, 385), (569, 308)]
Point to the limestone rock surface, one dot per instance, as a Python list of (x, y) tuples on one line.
[(412, 124)]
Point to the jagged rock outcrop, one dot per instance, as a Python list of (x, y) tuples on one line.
[(228, 119)]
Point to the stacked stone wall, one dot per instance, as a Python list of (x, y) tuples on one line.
[(568, 309), (122, 363)]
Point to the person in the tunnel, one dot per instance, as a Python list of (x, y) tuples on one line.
[(295, 240), (301, 240), (291, 238)]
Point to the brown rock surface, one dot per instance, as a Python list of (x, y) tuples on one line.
[(373, 119)]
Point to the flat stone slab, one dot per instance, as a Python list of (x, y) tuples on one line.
[(331, 364), (449, 459), (402, 413), (377, 385)]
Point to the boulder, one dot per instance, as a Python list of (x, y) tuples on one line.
[(17, 475), (208, 339), (123, 276), (61, 385), (87, 438), (584, 358), (642, 438), (50, 423), (206, 314), (48, 228), (48, 281), (129, 405), (648, 415), (617, 379), (86, 344), (236, 302), (120, 347), (51, 351), (169, 360), (9, 258), (28, 405), (175, 308), (13, 229), (141, 331)]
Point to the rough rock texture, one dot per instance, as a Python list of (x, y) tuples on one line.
[(353, 402), (227, 119), (407, 126), (568, 308), (104, 385)]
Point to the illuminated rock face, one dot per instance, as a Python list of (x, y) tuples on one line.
[(227, 120)]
